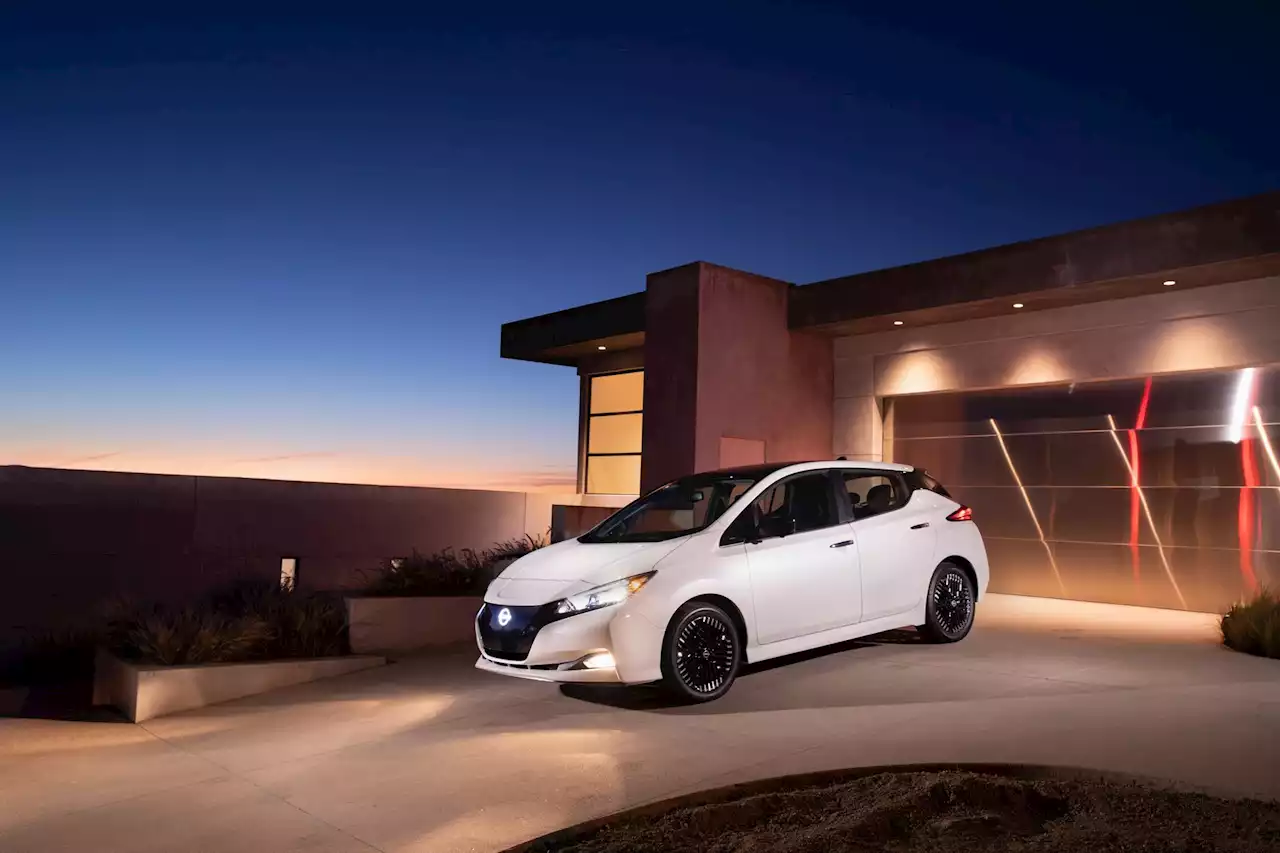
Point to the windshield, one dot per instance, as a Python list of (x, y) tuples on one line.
[(677, 509)]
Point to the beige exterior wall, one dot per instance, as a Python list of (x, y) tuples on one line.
[(538, 507), (1208, 328)]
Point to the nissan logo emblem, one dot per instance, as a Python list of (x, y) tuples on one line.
[(504, 617)]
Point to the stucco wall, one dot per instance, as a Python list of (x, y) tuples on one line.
[(671, 375), (758, 380), (720, 362), (1221, 327), (70, 540)]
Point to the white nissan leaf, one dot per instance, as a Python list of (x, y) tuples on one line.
[(714, 570)]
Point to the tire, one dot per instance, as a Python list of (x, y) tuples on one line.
[(705, 630), (949, 605)]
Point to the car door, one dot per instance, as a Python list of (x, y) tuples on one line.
[(803, 564), (895, 540)]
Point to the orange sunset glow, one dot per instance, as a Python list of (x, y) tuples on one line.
[(319, 467)]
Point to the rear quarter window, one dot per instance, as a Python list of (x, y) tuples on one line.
[(922, 480)]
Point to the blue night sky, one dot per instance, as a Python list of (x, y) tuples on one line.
[(271, 244)]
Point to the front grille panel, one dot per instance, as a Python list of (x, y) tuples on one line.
[(513, 640)]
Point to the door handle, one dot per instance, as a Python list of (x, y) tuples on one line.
[(921, 526), (843, 544)]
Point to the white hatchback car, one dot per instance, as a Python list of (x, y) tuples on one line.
[(713, 570)]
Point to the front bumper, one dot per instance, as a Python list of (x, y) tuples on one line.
[(558, 647), (608, 675)]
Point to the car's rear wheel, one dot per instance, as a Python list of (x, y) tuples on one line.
[(701, 653), (949, 606)]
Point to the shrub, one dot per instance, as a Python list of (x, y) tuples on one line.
[(190, 635), (447, 572), (301, 625), (1254, 626), (514, 548), (442, 573), (250, 620)]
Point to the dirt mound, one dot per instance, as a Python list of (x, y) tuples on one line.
[(950, 812)]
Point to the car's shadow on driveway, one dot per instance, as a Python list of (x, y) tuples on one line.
[(653, 699)]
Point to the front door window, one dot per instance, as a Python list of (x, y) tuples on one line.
[(797, 505), (804, 570)]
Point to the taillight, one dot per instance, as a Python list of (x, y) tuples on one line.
[(964, 513)]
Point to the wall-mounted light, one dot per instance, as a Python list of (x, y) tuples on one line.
[(602, 348), (1170, 283), (897, 322), (1018, 305), (288, 573)]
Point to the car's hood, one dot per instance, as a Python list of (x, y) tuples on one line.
[(569, 567)]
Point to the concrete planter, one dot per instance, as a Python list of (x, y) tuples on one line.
[(409, 623), (143, 691)]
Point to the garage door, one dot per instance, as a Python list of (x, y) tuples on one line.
[(1159, 491)]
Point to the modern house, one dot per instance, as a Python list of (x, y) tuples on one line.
[(1108, 400)]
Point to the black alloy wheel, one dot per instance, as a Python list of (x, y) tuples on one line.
[(950, 605), (701, 652)]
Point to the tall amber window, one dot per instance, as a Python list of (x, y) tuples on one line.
[(615, 413)]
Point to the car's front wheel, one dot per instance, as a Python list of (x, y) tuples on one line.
[(701, 653), (949, 606)]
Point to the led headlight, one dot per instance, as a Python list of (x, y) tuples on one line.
[(605, 595)]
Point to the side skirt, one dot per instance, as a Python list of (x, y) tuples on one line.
[(756, 654)]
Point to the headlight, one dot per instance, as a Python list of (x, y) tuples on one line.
[(602, 596)]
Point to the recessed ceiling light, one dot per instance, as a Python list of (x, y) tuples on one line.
[(1017, 305), (897, 322), (1170, 283), (602, 347)]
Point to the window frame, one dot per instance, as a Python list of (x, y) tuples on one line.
[(584, 452), (590, 536), (834, 486), (903, 488), (919, 479)]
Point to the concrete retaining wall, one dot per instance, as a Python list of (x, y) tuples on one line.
[(143, 692), (405, 624)]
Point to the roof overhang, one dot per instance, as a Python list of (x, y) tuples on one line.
[(1218, 243), (566, 337), (1231, 241)]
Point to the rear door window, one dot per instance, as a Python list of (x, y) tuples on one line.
[(872, 493)]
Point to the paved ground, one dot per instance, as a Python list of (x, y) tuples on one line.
[(429, 755)]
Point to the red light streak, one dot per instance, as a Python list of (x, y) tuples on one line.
[(1135, 500), (1245, 519), (1249, 462), (1146, 510)]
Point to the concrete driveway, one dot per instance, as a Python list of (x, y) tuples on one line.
[(430, 755)]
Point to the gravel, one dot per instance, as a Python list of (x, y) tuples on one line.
[(950, 812)]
